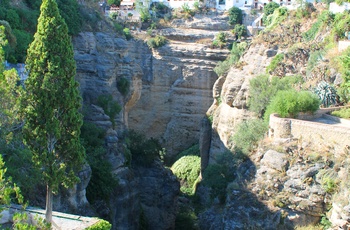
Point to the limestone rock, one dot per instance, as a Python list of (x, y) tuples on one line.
[(275, 160)]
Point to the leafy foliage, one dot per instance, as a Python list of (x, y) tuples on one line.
[(100, 225), (144, 151), (123, 86), (109, 106), (248, 134), (274, 63), (263, 88), (156, 42), (235, 15), (102, 182), (269, 9), (277, 17), (240, 30), (187, 170), (127, 34), (343, 113), (288, 103), (52, 103), (8, 189), (236, 52), (217, 176), (192, 151), (326, 93)]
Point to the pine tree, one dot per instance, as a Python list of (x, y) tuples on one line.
[(52, 103)]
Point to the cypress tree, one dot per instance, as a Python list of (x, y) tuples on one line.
[(52, 103)]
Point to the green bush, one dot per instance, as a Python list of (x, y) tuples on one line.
[(187, 170), (127, 34), (109, 106), (240, 30), (217, 176), (343, 113), (344, 63), (274, 63), (23, 40), (100, 225), (264, 87), (102, 182), (144, 151), (288, 103), (248, 133), (192, 151), (156, 42), (123, 86), (269, 9), (277, 17), (69, 10), (235, 15), (236, 52)]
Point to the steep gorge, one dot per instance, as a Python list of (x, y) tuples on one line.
[(170, 91)]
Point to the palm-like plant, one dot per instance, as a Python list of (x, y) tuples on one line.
[(326, 93)]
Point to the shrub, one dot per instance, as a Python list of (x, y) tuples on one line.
[(118, 28), (288, 103), (187, 170), (326, 93), (235, 15), (156, 42), (123, 86), (240, 30), (263, 88), (277, 17), (109, 106), (216, 177), (343, 113), (144, 151), (344, 63), (192, 151), (274, 63), (236, 52), (248, 133), (23, 40), (102, 182), (220, 40), (100, 225), (69, 10), (269, 9), (127, 34)]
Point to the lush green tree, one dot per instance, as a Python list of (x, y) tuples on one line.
[(235, 15), (52, 103), (240, 30), (269, 9)]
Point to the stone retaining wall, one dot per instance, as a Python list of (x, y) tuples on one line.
[(335, 136)]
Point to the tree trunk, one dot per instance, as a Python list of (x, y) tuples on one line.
[(49, 196)]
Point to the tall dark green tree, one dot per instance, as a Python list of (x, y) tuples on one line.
[(52, 103)]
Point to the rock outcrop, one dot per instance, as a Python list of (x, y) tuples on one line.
[(170, 91)]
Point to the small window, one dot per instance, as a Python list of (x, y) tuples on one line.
[(246, 2), (237, 1), (221, 2)]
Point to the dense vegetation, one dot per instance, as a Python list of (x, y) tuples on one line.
[(20, 21)]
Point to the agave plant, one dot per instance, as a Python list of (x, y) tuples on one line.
[(326, 93)]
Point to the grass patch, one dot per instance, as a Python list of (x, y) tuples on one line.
[(342, 113)]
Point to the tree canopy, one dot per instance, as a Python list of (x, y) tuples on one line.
[(52, 103)]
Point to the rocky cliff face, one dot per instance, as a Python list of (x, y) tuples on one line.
[(170, 91), (284, 183)]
